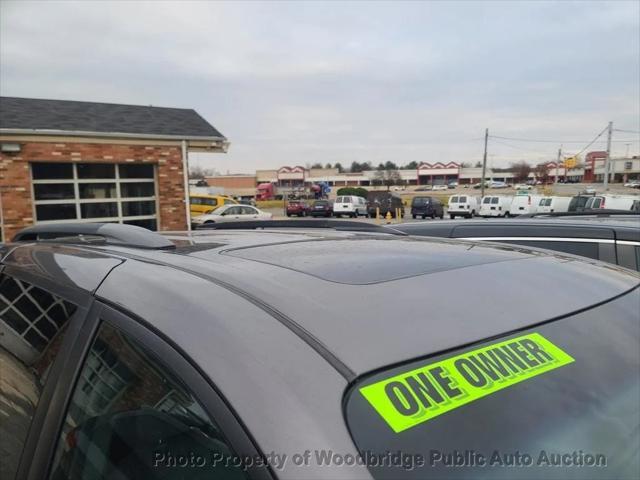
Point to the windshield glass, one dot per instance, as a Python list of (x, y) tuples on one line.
[(559, 399), (219, 210)]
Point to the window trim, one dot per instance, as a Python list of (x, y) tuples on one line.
[(171, 357), (36, 438), (76, 181)]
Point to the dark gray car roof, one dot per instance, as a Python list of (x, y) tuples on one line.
[(283, 321), (373, 300)]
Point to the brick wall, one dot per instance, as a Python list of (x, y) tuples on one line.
[(15, 177)]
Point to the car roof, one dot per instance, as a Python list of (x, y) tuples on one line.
[(359, 295), (284, 320)]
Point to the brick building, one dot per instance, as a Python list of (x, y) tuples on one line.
[(96, 162)]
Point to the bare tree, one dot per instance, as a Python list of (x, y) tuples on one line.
[(388, 178), (521, 171), (541, 172), (196, 171)]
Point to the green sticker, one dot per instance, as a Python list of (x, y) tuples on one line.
[(414, 397)]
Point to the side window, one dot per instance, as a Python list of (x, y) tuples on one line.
[(130, 417), (210, 201), (248, 211), (32, 327), (589, 250), (195, 201)]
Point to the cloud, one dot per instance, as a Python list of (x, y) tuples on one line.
[(300, 82)]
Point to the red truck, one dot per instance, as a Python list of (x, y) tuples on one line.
[(266, 191)]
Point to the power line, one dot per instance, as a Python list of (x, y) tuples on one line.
[(625, 131), (519, 148), (530, 140), (593, 141)]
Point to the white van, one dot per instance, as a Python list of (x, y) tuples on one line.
[(349, 205), (496, 206), (611, 202), (524, 203), (466, 206), (554, 204)]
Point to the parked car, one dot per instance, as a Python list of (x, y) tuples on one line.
[(200, 203), (613, 239), (495, 206), (589, 190), (349, 205), (524, 203), (523, 186), (322, 208), (452, 184), (299, 208), (463, 206), (497, 184), (234, 347), (478, 185), (424, 188), (611, 202), (554, 204), (440, 188), (578, 202), (231, 213), (633, 184), (426, 207), (383, 203)]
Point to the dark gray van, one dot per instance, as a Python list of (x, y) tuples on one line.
[(387, 202), (426, 207)]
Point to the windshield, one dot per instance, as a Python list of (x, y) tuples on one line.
[(574, 397), (219, 210)]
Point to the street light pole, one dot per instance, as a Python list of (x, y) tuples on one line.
[(607, 160), (484, 162)]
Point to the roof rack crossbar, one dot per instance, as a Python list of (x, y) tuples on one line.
[(341, 225), (109, 233)]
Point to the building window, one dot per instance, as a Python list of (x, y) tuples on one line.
[(95, 192)]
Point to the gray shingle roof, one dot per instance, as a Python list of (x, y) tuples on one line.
[(66, 115)]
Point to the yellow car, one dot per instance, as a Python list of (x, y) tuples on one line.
[(201, 204)]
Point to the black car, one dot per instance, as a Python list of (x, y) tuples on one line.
[(275, 350), (321, 208), (613, 239), (426, 207), (384, 202)]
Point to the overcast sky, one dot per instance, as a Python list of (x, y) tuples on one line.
[(300, 82)]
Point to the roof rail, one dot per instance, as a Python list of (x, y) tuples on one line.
[(599, 212), (341, 225), (104, 233)]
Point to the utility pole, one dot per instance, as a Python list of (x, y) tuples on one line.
[(558, 162), (484, 161), (607, 160)]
